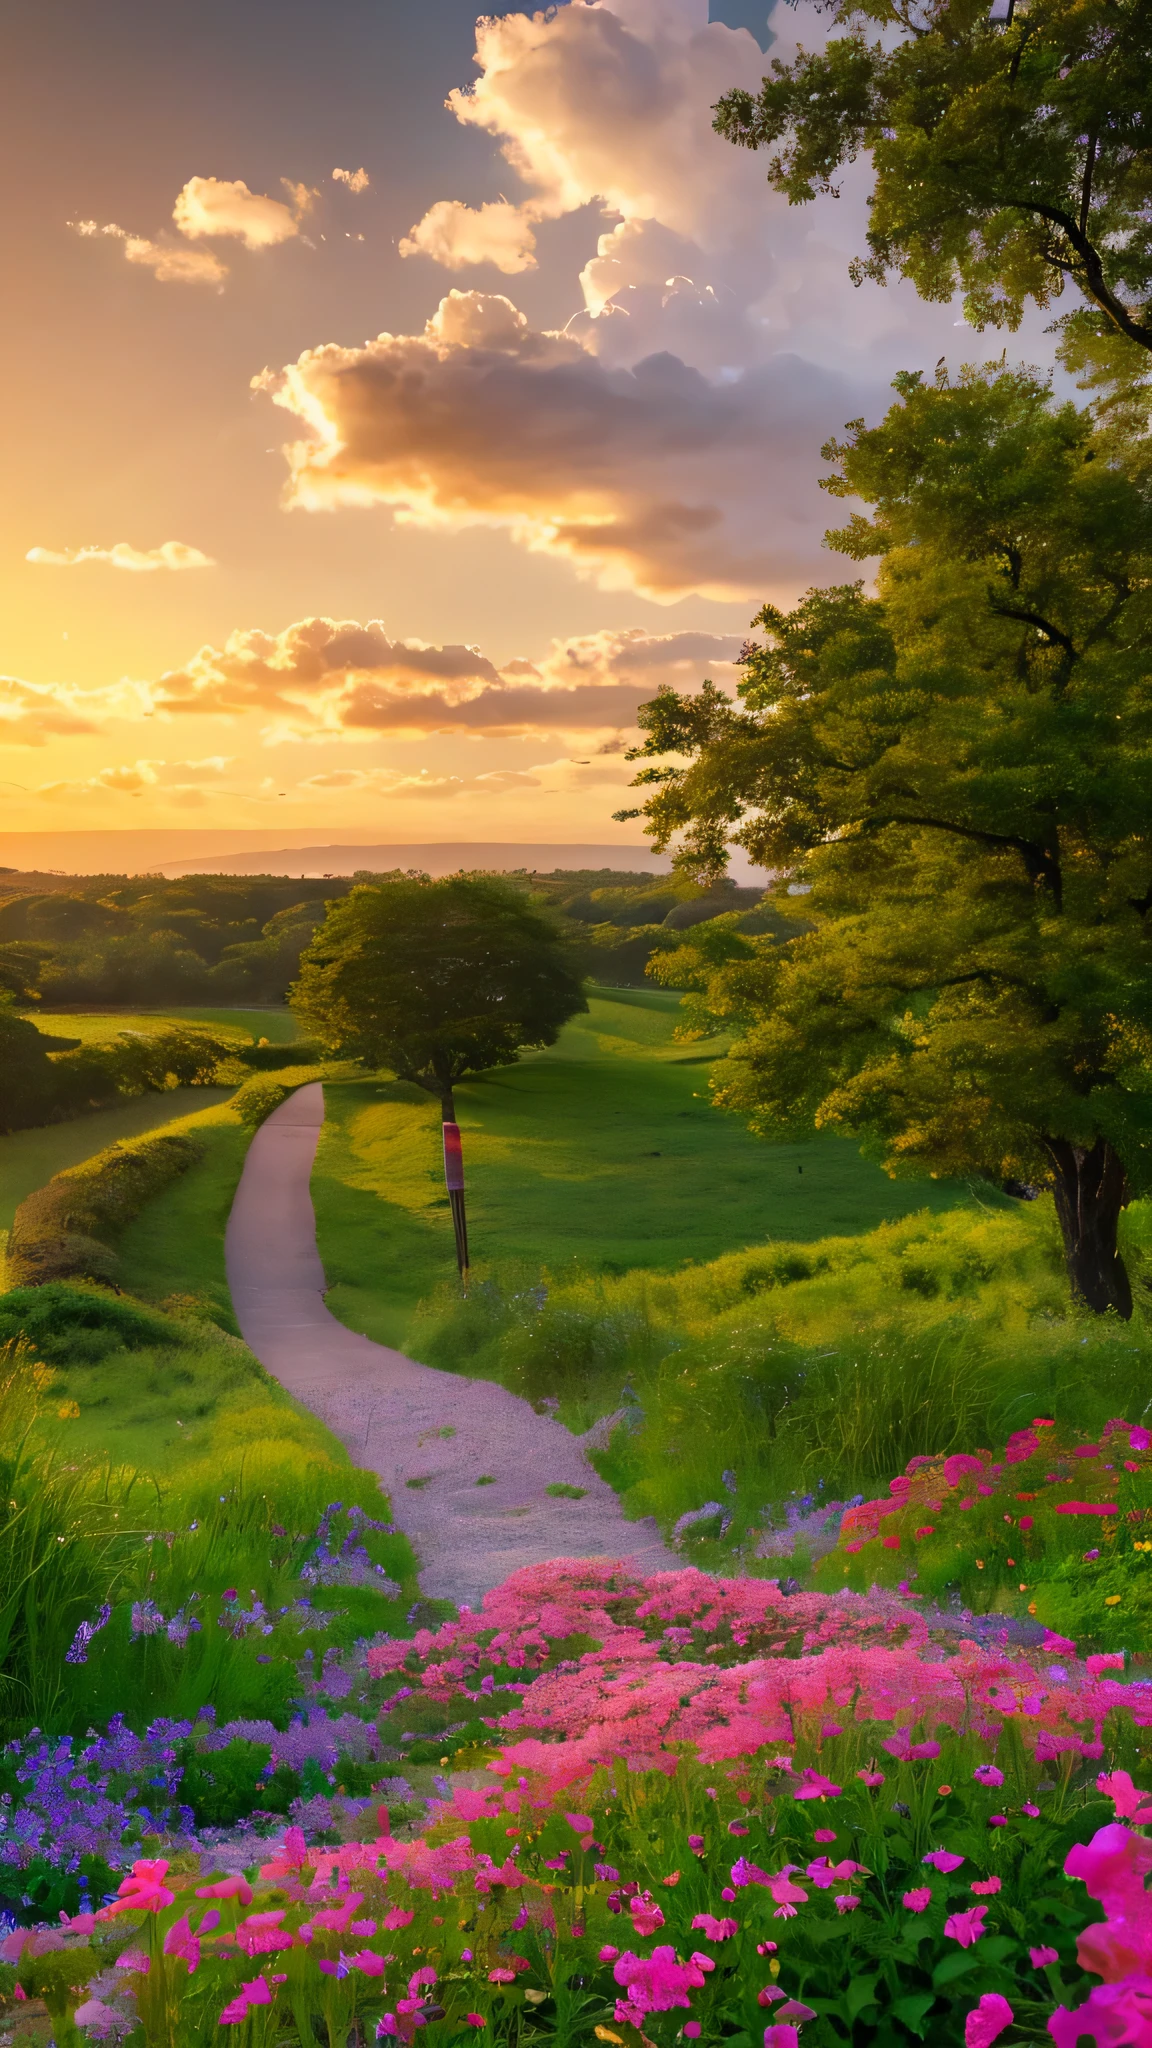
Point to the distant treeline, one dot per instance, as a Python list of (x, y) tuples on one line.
[(221, 939)]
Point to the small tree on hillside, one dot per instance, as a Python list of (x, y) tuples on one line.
[(436, 980), (961, 771)]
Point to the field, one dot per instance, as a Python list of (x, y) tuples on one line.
[(601, 1154), (93, 1026), (29, 1158)]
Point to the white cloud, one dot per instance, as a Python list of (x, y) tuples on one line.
[(31, 714), (336, 678), (225, 206), (356, 181), (171, 554), (456, 235), (654, 477), (168, 263)]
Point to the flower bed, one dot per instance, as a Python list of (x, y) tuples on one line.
[(1057, 1528), (674, 1807)]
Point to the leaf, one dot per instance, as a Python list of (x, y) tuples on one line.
[(914, 2011), (861, 1992), (955, 1966)]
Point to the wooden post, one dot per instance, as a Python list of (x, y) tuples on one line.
[(454, 1182)]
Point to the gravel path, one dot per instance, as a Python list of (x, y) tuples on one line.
[(430, 1435)]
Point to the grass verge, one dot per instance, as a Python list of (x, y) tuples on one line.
[(602, 1154)]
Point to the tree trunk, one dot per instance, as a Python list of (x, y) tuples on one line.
[(1091, 1188), (447, 1103)]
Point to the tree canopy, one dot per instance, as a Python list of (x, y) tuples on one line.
[(436, 980), (1012, 156), (957, 772)]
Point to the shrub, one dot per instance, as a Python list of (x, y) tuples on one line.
[(256, 1100), (72, 1325), (64, 1230)]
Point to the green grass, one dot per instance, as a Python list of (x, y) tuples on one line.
[(30, 1158), (94, 1027), (603, 1153), (174, 1251)]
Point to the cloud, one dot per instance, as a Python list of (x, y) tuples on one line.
[(224, 206), (168, 263), (356, 181), (654, 478), (171, 554), (456, 235), (336, 678), (31, 714), (385, 782)]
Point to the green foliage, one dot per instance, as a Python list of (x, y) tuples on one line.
[(67, 1230), (70, 1324), (225, 1785), (1010, 161), (263, 1093), (957, 769), (436, 980)]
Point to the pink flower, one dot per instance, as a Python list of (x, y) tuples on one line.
[(658, 1983), (1139, 1438), (475, 2019), (1113, 1866), (143, 1892), (395, 1917), (919, 1900), (262, 1935), (987, 2021), (824, 1874), (180, 1941), (696, 1844), (824, 1835), (134, 1959), (737, 1827), (986, 1887), (609, 1954), (942, 1860), (871, 1777), (1114, 2013), (258, 1992), (292, 1856), (501, 1976), (1033, 1812), (1041, 1957), (233, 1886), (368, 1963), (646, 1915), (966, 1927), (715, 1930), (813, 1786), (692, 2030), (1118, 1787), (781, 2037), (846, 1902), (987, 1774)]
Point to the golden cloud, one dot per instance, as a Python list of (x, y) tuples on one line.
[(171, 554)]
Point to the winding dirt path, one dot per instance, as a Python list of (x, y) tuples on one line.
[(430, 1435)]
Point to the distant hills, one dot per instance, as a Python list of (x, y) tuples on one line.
[(442, 858)]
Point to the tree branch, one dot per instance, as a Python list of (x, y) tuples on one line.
[(1039, 861), (1093, 270)]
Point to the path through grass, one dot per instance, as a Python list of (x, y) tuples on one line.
[(604, 1152)]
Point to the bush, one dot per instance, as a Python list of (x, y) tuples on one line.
[(65, 1231), (257, 1099), (39, 1085), (269, 1059), (73, 1325)]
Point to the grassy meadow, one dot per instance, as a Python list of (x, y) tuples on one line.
[(603, 1154)]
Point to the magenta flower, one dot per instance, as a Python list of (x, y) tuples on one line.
[(233, 1886), (696, 1844), (397, 1916), (985, 1887), (781, 2037), (180, 1941), (846, 1902), (692, 2030), (824, 1835), (987, 1774), (608, 1954), (713, 1929), (987, 2021), (871, 1777), (657, 1983), (262, 1935), (1117, 1786), (942, 1860), (813, 1786), (824, 1874), (919, 1900), (143, 1892), (475, 2019), (646, 1915), (1041, 1957), (968, 1927)]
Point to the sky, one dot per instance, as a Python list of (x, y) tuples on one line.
[(397, 400)]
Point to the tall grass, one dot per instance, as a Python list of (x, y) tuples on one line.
[(808, 1367)]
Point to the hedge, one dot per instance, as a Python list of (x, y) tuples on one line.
[(67, 1230)]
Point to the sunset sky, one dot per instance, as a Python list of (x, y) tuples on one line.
[(368, 459)]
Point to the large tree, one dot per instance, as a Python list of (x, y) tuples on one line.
[(1012, 149), (959, 770), (436, 980)]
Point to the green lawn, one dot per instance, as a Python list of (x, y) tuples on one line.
[(604, 1151), (29, 1158), (175, 1249), (93, 1026)]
